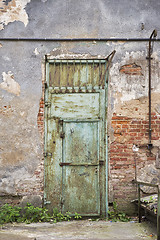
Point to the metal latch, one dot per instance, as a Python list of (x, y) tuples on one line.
[(46, 84), (101, 162), (60, 122), (47, 154), (47, 202), (62, 134), (47, 104), (62, 201)]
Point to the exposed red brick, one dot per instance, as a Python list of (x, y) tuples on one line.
[(131, 69), (136, 122)]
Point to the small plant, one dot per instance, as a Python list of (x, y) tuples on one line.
[(151, 198), (35, 214), (68, 216), (77, 216), (116, 216), (57, 216), (9, 214)]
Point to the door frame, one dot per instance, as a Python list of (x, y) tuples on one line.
[(104, 208)]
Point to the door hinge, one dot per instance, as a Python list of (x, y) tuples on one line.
[(60, 122), (62, 135), (46, 84), (47, 154), (47, 104), (47, 202), (62, 201)]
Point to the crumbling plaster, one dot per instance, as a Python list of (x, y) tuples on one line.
[(9, 84), (128, 92), (13, 10)]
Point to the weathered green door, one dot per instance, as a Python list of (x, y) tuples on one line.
[(75, 143), (80, 167)]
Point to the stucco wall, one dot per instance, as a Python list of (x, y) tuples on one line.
[(22, 74)]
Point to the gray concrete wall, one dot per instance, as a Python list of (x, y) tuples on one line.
[(73, 18), (22, 71)]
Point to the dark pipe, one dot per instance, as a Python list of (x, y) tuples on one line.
[(154, 34), (80, 39)]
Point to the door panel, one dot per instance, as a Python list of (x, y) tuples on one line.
[(77, 105), (80, 186), (81, 142), (81, 190)]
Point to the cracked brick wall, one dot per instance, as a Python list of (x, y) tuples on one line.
[(129, 154)]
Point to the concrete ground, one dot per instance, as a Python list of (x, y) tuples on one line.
[(84, 229)]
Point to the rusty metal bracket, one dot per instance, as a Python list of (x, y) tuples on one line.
[(60, 122), (109, 59), (101, 162), (47, 104), (64, 164), (47, 154)]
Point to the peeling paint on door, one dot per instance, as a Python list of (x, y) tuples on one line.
[(80, 173)]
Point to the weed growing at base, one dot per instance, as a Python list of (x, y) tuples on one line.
[(30, 214), (116, 216)]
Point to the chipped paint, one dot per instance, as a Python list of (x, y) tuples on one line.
[(36, 52), (13, 11), (65, 54), (9, 84), (137, 108)]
